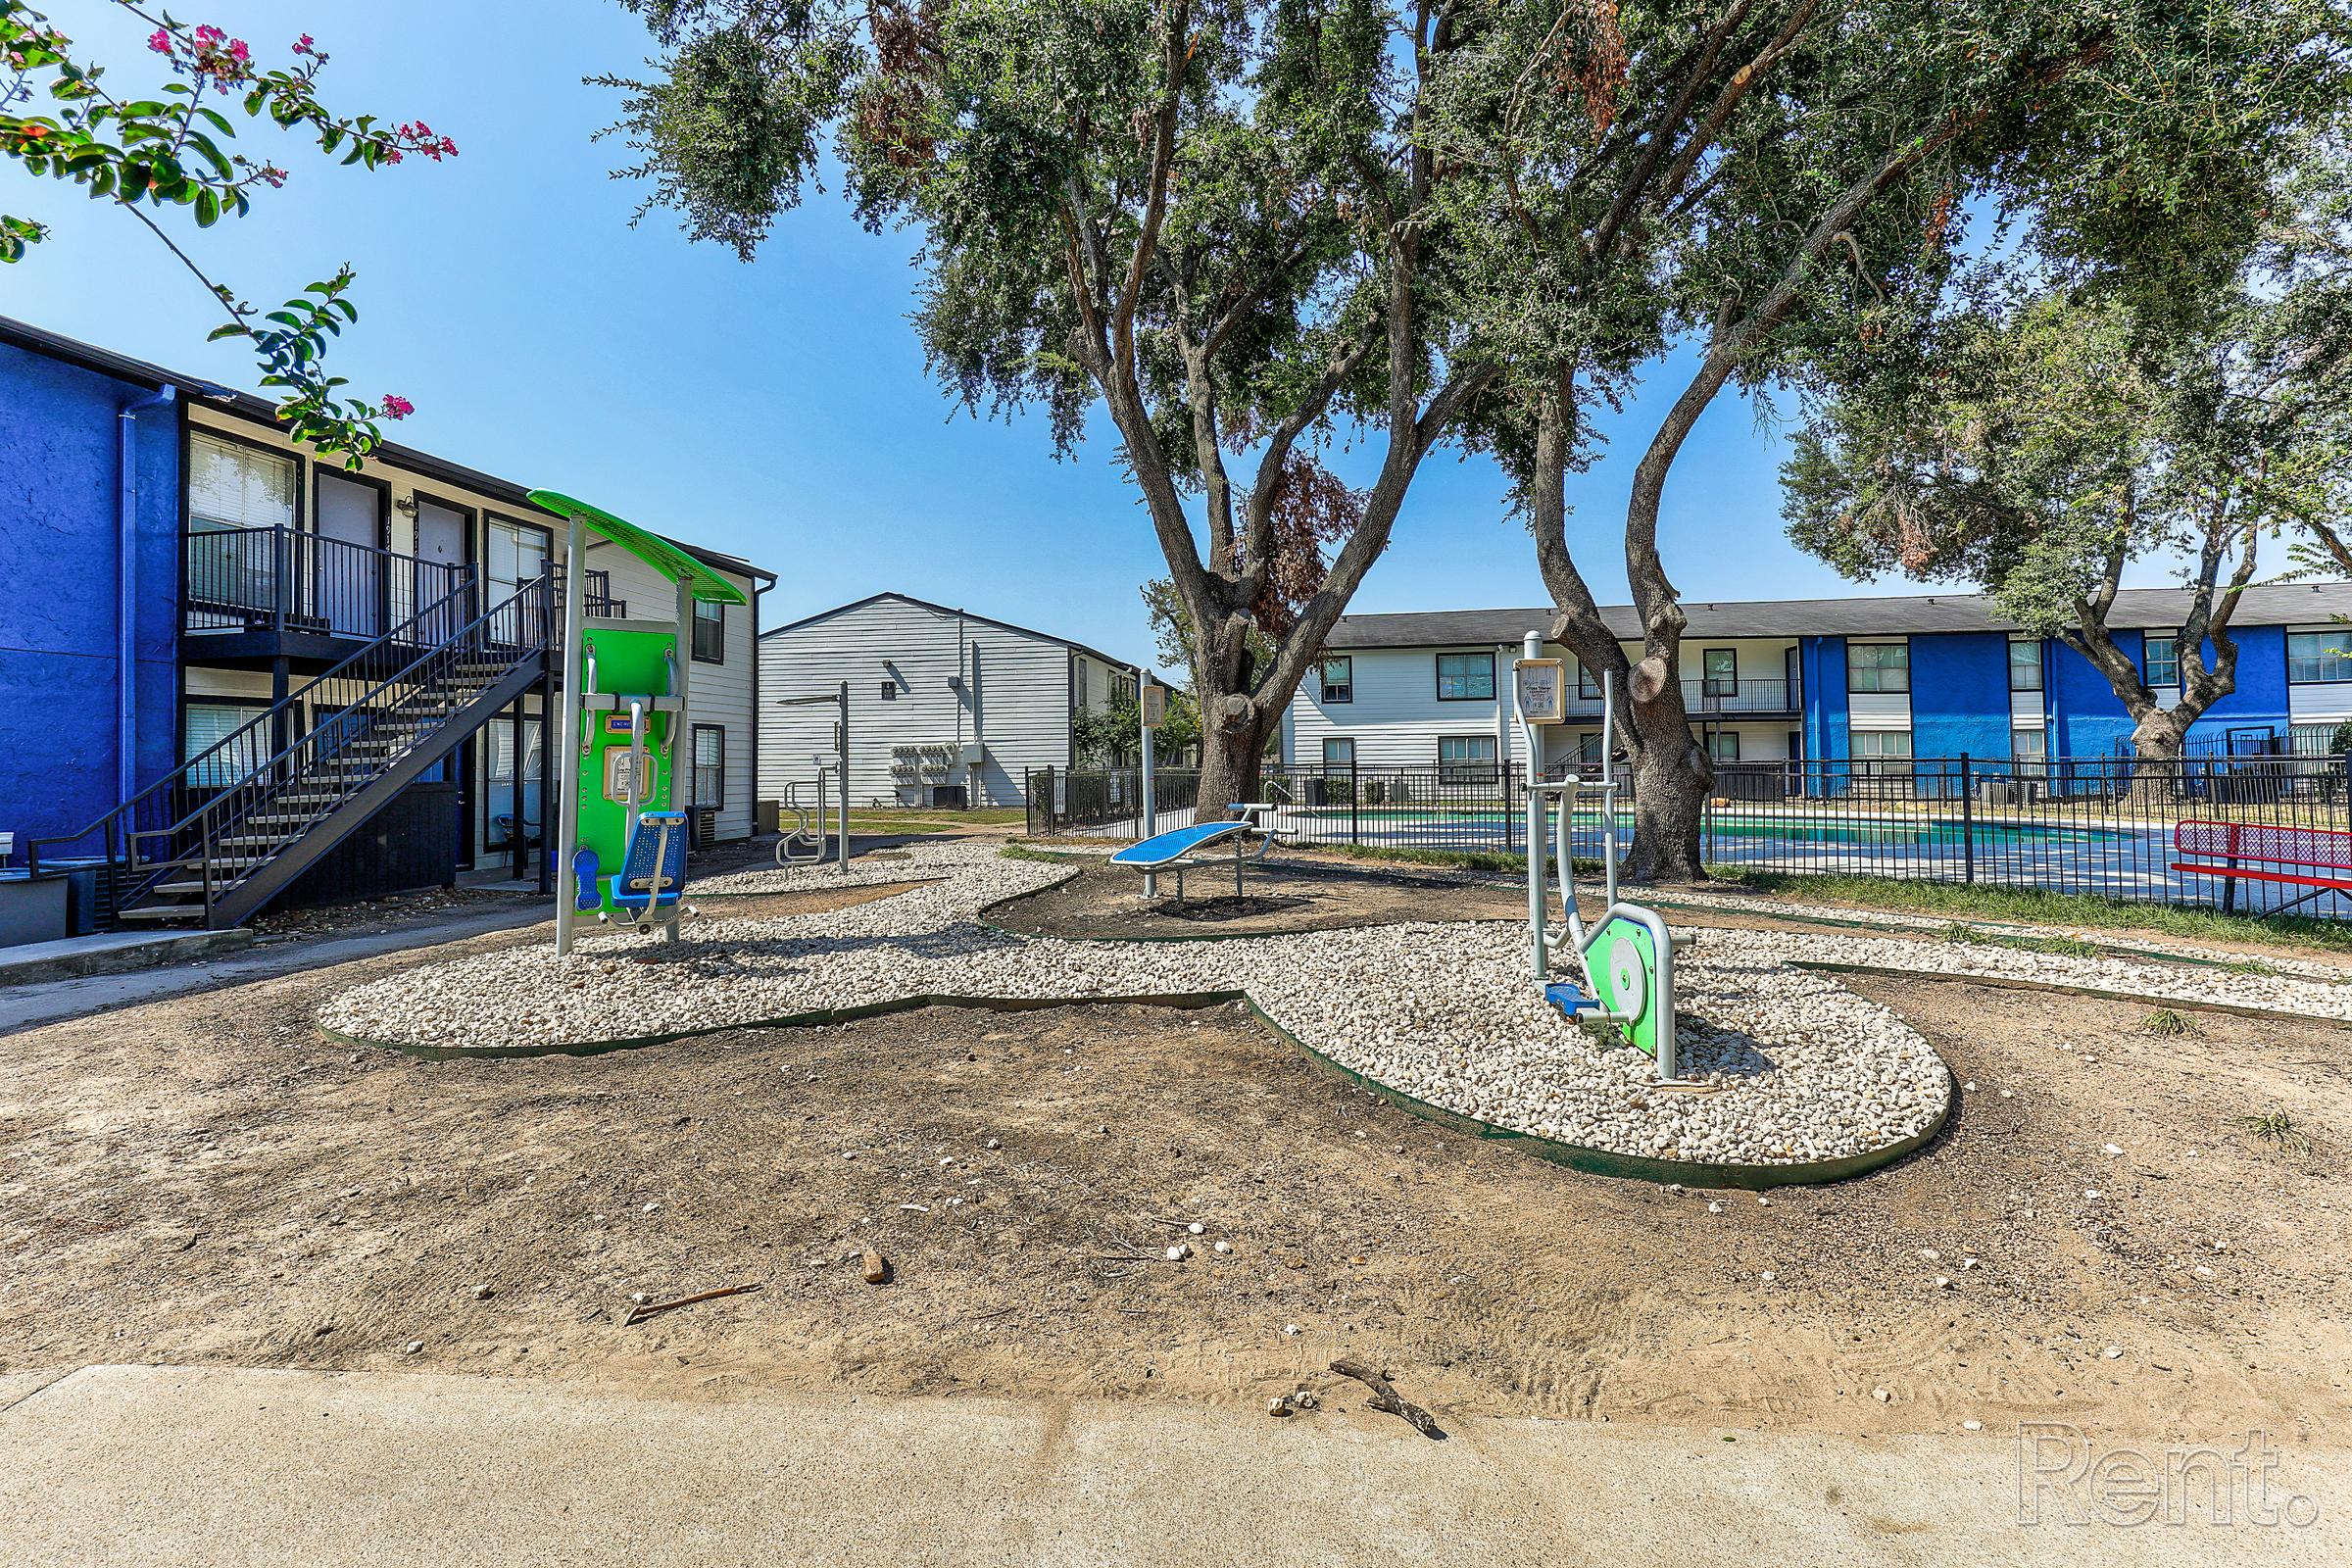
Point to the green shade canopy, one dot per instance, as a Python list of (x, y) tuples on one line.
[(652, 549)]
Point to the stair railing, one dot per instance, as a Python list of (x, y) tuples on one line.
[(241, 827)]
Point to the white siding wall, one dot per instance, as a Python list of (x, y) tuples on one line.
[(715, 694), (1396, 718), (1015, 700)]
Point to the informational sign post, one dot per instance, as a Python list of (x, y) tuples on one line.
[(1542, 689)]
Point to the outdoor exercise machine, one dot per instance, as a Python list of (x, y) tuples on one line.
[(809, 816), (1625, 961), (1183, 847), (624, 710)]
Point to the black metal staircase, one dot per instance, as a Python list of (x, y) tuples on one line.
[(212, 843)]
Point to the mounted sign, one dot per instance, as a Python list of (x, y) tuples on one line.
[(1542, 689), (1154, 699)]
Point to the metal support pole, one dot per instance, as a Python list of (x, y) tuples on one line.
[(841, 851), (1532, 647), (567, 840), (1151, 816)]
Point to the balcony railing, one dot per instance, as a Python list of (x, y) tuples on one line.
[(286, 581), (1707, 698)]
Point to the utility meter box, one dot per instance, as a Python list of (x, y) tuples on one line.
[(972, 754)]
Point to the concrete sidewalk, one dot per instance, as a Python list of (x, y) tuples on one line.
[(125, 1465), (27, 1006)]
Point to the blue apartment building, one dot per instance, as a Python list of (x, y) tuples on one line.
[(1832, 686), (234, 675)]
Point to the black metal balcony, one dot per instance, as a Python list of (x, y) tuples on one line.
[(266, 593)]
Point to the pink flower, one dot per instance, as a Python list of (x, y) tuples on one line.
[(449, 149), (305, 45), (208, 38), (160, 41), (238, 52), (397, 407)]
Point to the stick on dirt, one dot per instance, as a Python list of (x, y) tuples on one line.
[(1385, 1397), (638, 1315)]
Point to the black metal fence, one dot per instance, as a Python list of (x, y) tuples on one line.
[(2101, 825)]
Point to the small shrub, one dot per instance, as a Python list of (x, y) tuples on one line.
[(2166, 1023), (2249, 966), (2277, 1127)]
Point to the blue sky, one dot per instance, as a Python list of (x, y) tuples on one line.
[(779, 410)]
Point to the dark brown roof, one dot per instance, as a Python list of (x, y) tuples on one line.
[(1892, 615)]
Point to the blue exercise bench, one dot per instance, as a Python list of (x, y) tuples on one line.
[(1181, 846)]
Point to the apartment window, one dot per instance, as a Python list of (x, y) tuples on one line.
[(2030, 750), (1339, 679), (710, 765), (1465, 758), (1882, 751), (204, 725), (1588, 684), (1877, 667), (1339, 754), (1588, 747), (2160, 659), (232, 488), (890, 691), (1721, 669), (2317, 656), (233, 485), (710, 632), (1722, 745), (1466, 677), (2024, 664)]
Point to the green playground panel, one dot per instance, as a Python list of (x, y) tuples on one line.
[(637, 661), (1624, 965)]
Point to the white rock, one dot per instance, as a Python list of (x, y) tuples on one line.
[(1179, 1253)]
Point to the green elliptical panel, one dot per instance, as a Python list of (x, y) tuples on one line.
[(673, 563), (1624, 965)]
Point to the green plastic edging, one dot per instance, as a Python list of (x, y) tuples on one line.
[(1576, 1157)]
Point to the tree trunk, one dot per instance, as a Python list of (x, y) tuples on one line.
[(1232, 754), (2158, 740), (1672, 776)]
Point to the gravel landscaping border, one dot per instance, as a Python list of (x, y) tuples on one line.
[(1811, 1081)]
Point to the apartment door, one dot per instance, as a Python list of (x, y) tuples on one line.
[(440, 564), (347, 580)]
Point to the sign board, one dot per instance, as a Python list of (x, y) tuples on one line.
[(1542, 688), (1155, 700)]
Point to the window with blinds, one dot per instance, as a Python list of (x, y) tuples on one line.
[(231, 485), (710, 765), (205, 726)]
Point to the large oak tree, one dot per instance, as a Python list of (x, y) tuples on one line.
[(1772, 187), (1215, 220)]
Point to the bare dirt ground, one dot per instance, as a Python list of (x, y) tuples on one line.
[(203, 1181)]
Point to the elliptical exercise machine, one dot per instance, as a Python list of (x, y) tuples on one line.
[(1624, 960)]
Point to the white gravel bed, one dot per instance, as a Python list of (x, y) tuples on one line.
[(1807, 1069)]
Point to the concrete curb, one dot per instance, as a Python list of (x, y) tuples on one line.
[(115, 953)]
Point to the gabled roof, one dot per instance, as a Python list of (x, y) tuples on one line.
[(1893, 616), (260, 410), (950, 609)]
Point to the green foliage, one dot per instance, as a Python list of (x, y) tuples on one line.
[(146, 155), (1112, 735), (2168, 1024), (2278, 1128)]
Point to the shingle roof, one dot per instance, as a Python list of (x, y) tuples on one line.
[(1111, 660), (2270, 603)]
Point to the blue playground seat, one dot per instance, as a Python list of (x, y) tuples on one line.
[(653, 867)]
